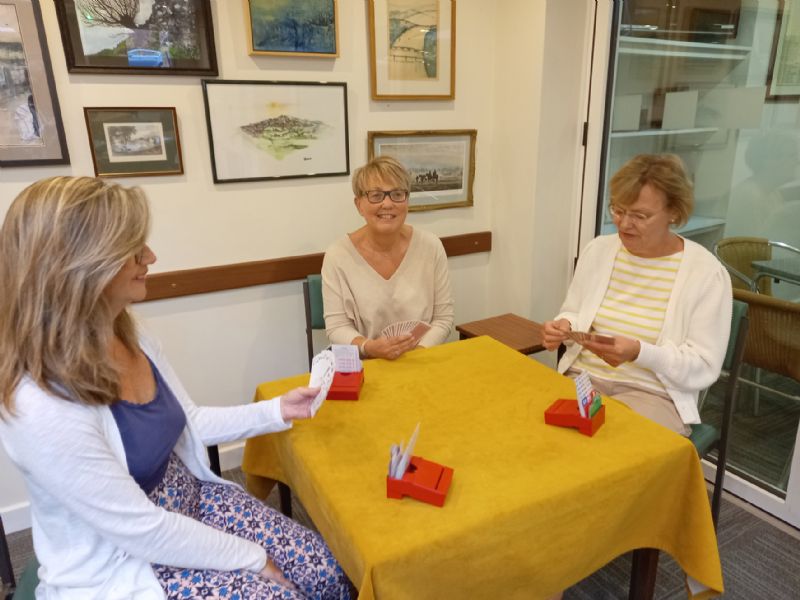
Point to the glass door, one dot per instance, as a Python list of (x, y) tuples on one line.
[(717, 82)]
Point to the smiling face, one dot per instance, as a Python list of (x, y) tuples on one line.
[(129, 284), (386, 217), (644, 225)]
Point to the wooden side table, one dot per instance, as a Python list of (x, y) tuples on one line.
[(521, 334)]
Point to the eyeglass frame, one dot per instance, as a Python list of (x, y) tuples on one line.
[(384, 194), (637, 218)]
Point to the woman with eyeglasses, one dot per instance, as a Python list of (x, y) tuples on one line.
[(112, 448), (663, 301), (386, 272)]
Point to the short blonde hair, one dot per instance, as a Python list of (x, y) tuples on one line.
[(664, 172), (62, 242), (386, 168)]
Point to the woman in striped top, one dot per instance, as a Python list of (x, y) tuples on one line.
[(664, 300)]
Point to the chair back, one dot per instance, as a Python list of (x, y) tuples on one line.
[(774, 340), (7, 581), (738, 254), (315, 317)]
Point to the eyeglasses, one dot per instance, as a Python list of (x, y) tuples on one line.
[(377, 196), (636, 218)]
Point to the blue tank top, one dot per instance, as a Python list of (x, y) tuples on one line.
[(149, 432)]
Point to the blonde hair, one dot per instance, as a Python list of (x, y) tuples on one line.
[(664, 172), (62, 242), (388, 169)]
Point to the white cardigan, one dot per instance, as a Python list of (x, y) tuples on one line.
[(688, 355), (95, 532)]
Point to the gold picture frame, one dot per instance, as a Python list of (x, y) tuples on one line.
[(441, 164), (413, 49), (307, 28)]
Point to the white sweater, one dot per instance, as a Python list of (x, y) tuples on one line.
[(359, 301), (95, 532), (688, 355)]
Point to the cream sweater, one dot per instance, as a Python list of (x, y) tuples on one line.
[(359, 301), (687, 356)]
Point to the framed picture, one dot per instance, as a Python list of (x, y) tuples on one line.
[(260, 130), (292, 27), (138, 36), (131, 142), (783, 75), (413, 45), (31, 131), (441, 164)]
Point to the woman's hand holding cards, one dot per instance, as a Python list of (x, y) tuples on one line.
[(614, 349)]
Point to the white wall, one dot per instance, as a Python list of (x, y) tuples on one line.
[(223, 344)]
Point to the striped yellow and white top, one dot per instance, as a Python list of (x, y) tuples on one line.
[(634, 306)]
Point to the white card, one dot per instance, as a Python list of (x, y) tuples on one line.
[(323, 367), (346, 357)]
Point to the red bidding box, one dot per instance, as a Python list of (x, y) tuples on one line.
[(423, 480), (564, 413), (346, 386)]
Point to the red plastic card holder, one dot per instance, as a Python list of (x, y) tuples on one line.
[(346, 386), (423, 480), (564, 413)]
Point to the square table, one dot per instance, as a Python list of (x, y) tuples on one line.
[(783, 268), (521, 334), (532, 508)]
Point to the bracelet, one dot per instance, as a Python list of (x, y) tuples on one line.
[(363, 349)]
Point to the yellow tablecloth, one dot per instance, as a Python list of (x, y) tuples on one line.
[(532, 508)]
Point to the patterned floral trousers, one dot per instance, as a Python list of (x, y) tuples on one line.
[(299, 553)]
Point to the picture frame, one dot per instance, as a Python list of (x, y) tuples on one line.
[(128, 40), (33, 132), (264, 130), (783, 73), (441, 164), (412, 49), (134, 142), (290, 28)]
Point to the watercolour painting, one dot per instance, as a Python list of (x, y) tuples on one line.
[(260, 130), (292, 28)]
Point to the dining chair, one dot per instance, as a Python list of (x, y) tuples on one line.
[(315, 320), (707, 437), (738, 254)]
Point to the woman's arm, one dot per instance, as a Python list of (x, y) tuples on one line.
[(695, 363), (443, 310), (62, 449)]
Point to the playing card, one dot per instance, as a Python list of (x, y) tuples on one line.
[(323, 367), (415, 328), (420, 329), (582, 336)]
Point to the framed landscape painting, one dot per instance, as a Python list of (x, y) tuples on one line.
[(783, 77), (261, 130), (31, 131), (158, 37), (131, 142), (292, 27), (441, 164), (413, 49)]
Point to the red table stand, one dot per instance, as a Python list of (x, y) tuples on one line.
[(346, 386), (564, 413), (423, 480)]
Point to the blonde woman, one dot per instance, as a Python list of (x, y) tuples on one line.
[(112, 448), (664, 301), (386, 271)]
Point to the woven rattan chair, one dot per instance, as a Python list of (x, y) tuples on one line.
[(773, 343), (738, 254)]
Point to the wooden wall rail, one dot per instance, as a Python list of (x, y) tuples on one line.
[(260, 272)]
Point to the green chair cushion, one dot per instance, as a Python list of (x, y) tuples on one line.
[(704, 437), (315, 299), (26, 588)]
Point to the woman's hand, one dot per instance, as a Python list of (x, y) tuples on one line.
[(624, 349), (554, 333), (390, 347), (296, 404), (273, 573)]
